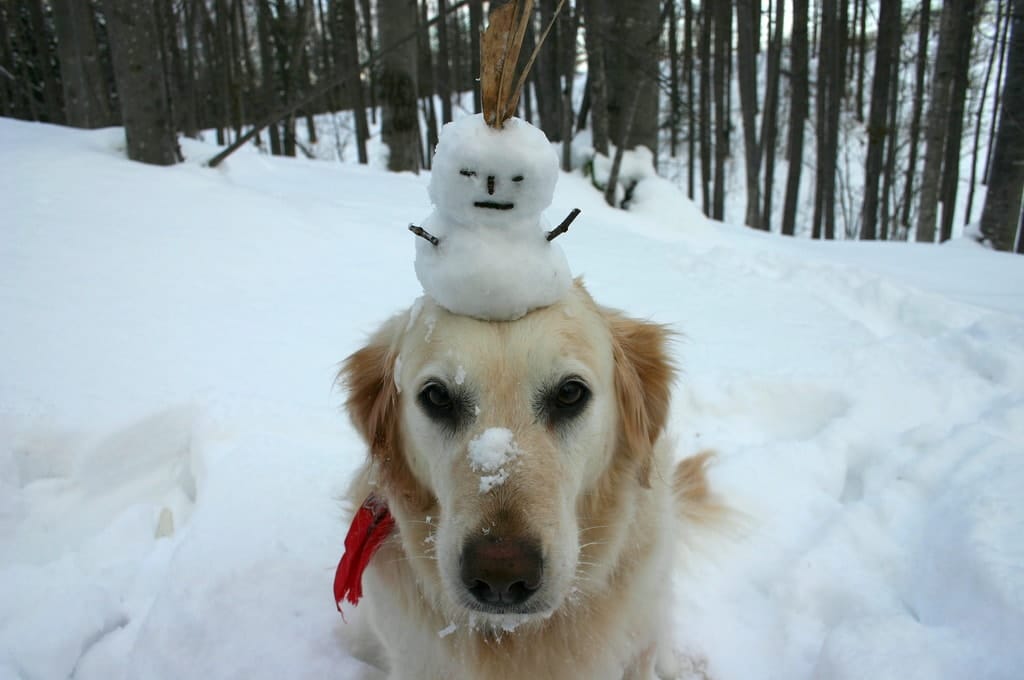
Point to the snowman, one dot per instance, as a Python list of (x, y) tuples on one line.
[(486, 251)]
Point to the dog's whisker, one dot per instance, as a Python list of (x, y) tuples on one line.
[(587, 545)]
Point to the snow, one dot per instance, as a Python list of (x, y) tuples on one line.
[(491, 452), (489, 188), (171, 451)]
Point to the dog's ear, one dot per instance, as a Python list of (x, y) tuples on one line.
[(368, 376), (643, 385)]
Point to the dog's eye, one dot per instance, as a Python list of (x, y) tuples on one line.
[(467, 173), (517, 178), (436, 397), (450, 409), (562, 403), (570, 393)]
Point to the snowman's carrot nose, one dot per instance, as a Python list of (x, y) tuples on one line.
[(490, 184)]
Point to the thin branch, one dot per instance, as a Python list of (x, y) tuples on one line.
[(564, 226)]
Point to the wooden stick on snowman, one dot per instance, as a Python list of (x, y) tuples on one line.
[(486, 250)]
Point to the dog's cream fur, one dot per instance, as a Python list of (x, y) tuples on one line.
[(596, 492)]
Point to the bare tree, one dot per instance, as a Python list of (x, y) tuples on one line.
[(747, 61), (691, 114), (831, 69), (723, 118), (946, 59), (923, 22), (444, 85), (673, 75), (85, 87), (632, 54), (397, 82), (141, 87), (878, 120), (980, 110), (704, 49), (769, 122), (595, 35), (954, 136), (476, 20), (49, 82), (797, 114), (347, 58), (1000, 219)]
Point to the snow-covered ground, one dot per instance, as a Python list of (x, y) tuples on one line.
[(171, 448)]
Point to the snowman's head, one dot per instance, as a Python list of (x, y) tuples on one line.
[(481, 175)]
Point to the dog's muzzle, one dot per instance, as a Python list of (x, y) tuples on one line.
[(501, 574)]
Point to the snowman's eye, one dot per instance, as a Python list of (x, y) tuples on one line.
[(467, 173), (517, 178)]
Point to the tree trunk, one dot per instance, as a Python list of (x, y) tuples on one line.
[(954, 137), (371, 75), (397, 82), (889, 171), (632, 54), (568, 23), (938, 119), (1000, 219), (347, 58), (723, 118), (705, 105), (47, 76), (8, 98), (1002, 41), (545, 71), (748, 106), (271, 99), (85, 98), (862, 42), (595, 37), (878, 119), (769, 124), (141, 88), (830, 92), (426, 85), (797, 114), (924, 20), (444, 85), (979, 113), (476, 19), (673, 78), (691, 115)]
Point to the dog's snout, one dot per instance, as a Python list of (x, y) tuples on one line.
[(501, 571)]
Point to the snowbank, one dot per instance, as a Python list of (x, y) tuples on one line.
[(171, 449)]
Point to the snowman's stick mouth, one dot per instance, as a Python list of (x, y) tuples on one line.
[(494, 206)]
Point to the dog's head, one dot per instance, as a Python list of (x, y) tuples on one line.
[(507, 450)]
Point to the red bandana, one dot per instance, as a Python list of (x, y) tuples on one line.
[(370, 526)]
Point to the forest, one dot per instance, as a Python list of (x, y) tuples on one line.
[(828, 119)]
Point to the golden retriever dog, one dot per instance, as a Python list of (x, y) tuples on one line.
[(536, 514)]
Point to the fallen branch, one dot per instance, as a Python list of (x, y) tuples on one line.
[(564, 226)]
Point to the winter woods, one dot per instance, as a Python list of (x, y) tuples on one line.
[(849, 119)]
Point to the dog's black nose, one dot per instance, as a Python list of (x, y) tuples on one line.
[(490, 184), (499, 571)]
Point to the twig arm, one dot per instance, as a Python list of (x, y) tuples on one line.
[(564, 226), (424, 234)]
